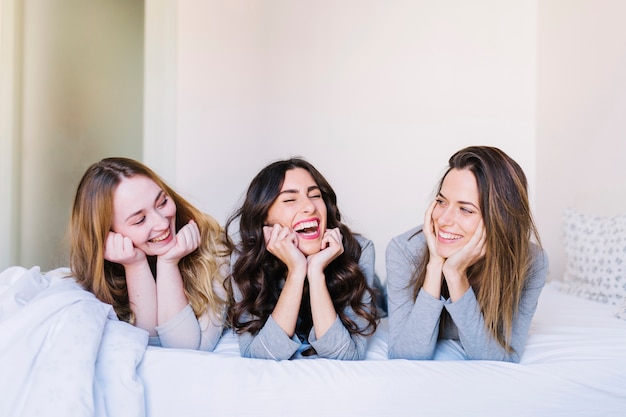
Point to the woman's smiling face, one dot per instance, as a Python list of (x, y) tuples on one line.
[(143, 212), (301, 208), (457, 212)]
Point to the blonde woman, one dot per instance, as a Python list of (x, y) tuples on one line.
[(159, 261), (465, 285)]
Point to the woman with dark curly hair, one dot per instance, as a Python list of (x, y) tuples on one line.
[(465, 285), (302, 281)]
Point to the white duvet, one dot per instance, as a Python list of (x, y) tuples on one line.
[(63, 353)]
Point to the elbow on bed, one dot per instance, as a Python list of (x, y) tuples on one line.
[(513, 357), (191, 341), (189, 344), (356, 355), (251, 353), (395, 353)]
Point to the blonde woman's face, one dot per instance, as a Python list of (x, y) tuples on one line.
[(301, 208), (143, 212), (457, 212)]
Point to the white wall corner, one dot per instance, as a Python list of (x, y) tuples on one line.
[(160, 63), (10, 105)]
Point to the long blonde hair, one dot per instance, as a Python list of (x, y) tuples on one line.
[(497, 279), (91, 221)]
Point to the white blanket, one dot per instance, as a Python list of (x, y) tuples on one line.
[(63, 352)]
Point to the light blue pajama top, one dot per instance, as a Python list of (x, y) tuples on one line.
[(414, 324), (186, 331), (271, 342)]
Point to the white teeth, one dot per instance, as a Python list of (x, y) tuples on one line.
[(306, 225), (449, 236), (161, 238)]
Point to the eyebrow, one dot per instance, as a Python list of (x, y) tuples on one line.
[(469, 203), (158, 197), (296, 191)]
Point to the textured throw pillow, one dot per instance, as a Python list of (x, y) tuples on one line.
[(595, 250), (620, 313)]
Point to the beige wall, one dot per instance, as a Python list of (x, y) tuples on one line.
[(10, 16), (379, 94), (79, 98), (376, 94), (581, 135)]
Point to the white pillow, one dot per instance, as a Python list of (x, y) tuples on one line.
[(595, 250)]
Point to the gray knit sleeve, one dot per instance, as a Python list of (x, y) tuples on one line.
[(413, 323), (337, 343), (477, 342), (270, 343)]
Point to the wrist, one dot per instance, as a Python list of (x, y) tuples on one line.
[(135, 265), (315, 275), (164, 262), (453, 275), (297, 273), (435, 265)]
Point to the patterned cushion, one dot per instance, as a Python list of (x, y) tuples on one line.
[(595, 250), (620, 313)]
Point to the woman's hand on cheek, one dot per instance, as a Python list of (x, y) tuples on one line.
[(283, 243), (470, 253), (429, 232), (120, 249), (187, 240), (331, 248)]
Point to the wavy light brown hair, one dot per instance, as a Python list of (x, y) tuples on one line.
[(498, 278), (259, 274), (92, 219)]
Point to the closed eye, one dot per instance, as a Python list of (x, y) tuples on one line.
[(163, 202), (140, 221)]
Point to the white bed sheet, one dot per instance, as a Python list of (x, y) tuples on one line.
[(63, 353), (574, 365)]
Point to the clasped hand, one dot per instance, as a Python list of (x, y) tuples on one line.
[(467, 255), (120, 249), (284, 244)]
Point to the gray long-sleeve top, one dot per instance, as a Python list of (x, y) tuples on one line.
[(337, 343), (186, 331), (414, 324)]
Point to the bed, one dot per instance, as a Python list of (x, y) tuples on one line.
[(574, 365), (63, 353)]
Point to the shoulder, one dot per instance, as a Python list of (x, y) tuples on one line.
[(363, 242), (410, 239), (537, 268), (407, 246), (368, 252), (538, 256)]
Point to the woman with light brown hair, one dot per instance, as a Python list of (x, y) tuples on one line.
[(465, 285), (159, 261)]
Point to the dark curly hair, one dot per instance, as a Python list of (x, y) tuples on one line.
[(258, 274)]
